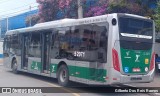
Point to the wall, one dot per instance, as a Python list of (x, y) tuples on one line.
[(15, 22)]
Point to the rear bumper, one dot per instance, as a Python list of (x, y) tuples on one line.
[(132, 78), (138, 78)]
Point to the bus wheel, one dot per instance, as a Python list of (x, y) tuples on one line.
[(63, 75), (14, 67)]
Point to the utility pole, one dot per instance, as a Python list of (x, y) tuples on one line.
[(80, 9)]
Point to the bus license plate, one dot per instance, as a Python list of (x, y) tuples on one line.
[(136, 78)]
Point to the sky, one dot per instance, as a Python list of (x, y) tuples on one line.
[(12, 7)]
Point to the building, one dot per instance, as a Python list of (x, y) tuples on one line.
[(14, 22)]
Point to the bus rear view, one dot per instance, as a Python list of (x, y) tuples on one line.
[(133, 51)]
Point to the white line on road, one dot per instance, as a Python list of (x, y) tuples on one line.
[(53, 85), (129, 85), (75, 94)]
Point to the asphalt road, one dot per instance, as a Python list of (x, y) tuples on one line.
[(9, 79)]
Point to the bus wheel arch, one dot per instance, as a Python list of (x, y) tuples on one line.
[(14, 65), (63, 74)]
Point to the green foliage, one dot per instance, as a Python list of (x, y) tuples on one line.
[(156, 17), (57, 9), (32, 20), (130, 6), (123, 6)]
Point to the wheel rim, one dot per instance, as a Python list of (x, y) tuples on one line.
[(63, 75)]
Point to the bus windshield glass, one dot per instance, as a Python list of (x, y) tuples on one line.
[(138, 28), (135, 33)]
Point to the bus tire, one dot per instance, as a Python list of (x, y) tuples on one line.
[(63, 75), (14, 67)]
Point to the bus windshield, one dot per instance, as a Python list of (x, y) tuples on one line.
[(135, 33), (132, 27)]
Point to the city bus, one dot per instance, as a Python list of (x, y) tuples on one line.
[(101, 50)]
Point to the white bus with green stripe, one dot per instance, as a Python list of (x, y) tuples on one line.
[(108, 49)]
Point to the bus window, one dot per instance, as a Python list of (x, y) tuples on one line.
[(6, 44), (135, 34), (54, 45), (15, 44), (35, 45), (101, 38), (82, 42), (89, 42), (60, 44)]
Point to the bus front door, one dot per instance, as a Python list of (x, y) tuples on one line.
[(46, 37)]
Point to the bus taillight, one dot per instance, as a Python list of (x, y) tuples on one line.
[(115, 60), (152, 61)]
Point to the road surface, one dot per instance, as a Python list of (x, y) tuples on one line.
[(9, 79)]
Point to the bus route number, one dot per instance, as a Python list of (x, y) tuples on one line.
[(79, 54)]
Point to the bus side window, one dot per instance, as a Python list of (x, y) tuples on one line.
[(102, 39), (60, 44), (64, 42), (6, 44), (35, 45), (15, 44), (54, 44)]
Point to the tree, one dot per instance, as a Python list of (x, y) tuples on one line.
[(101, 7), (95, 7), (56, 9), (47, 9), (129, 6), (156, 17), (32, 20)]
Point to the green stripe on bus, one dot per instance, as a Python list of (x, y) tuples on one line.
[(88, 73), (75, 71)]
